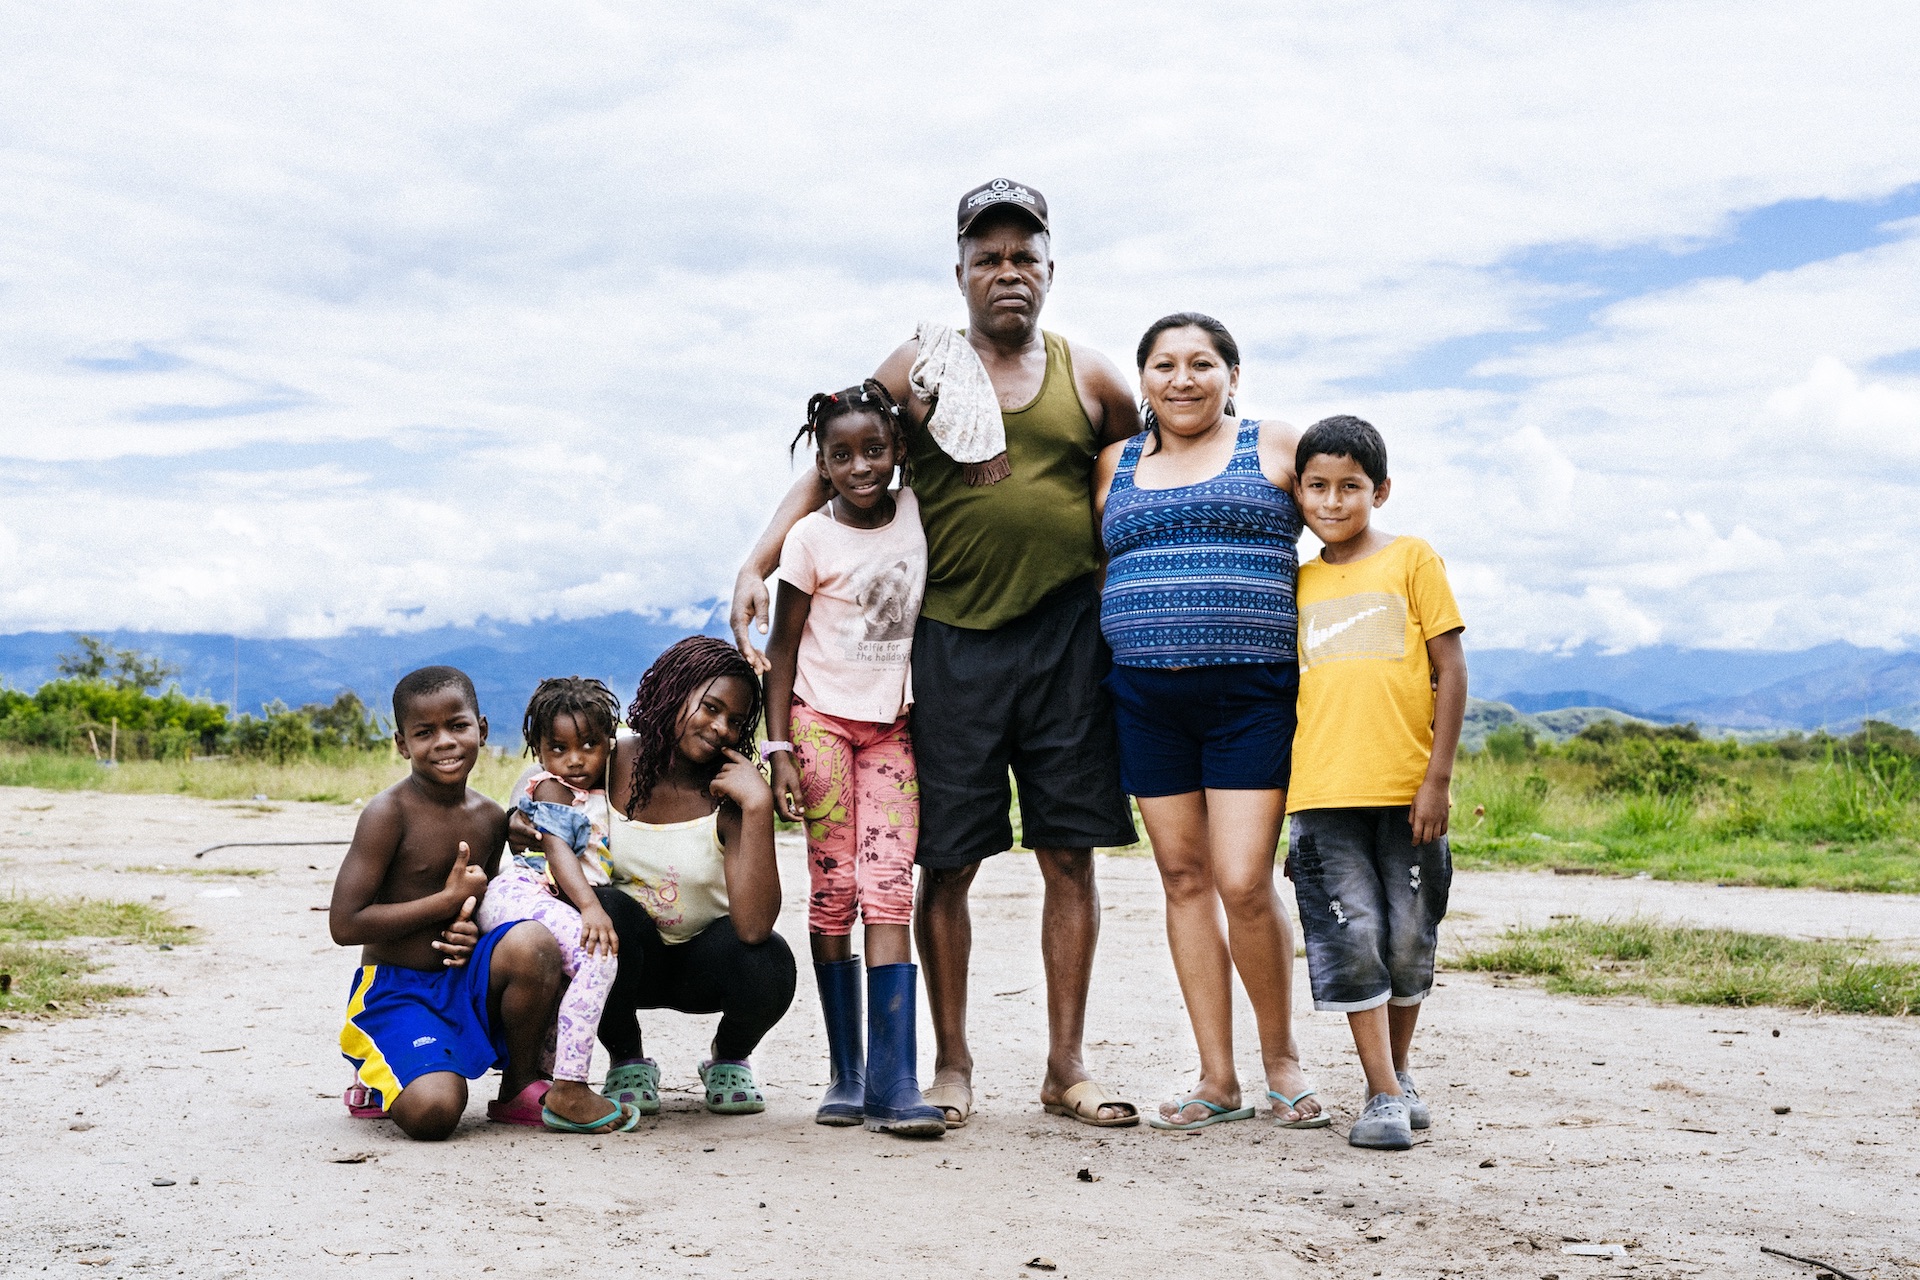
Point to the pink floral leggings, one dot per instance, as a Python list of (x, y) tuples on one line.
[(863, 818), (519, 893)]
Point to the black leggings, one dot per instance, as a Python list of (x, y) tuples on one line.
[(713, 972)]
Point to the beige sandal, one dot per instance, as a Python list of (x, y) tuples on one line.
[(953, 1098), (1083, 1102)]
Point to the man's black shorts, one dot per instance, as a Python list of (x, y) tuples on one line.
[(1026, 696)]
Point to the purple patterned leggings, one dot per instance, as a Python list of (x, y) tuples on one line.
[(520, 894)]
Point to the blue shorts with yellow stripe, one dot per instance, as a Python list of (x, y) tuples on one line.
[(404, 1023)]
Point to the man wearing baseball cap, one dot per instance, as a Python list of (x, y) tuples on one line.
[(1007, 656)]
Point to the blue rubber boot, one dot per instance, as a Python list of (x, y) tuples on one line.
[(894, 1104), (840, 1001)]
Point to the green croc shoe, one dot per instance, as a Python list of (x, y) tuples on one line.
[(637, 1084), (731, 1088)]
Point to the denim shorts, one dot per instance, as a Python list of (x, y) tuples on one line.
[(1185, 729), (1371, 902)]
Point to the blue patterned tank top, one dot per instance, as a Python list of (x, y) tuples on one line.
[(1200, 575)]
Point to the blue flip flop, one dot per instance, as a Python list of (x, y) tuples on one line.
[(1319, 1120), (621, 1119), (1217, 1114)]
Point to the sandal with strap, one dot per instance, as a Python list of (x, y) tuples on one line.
[(636, 1083), (954, 1099), (1216, 1114), (363, 1103), (731, 1088), (621, 1119), (1318, 1120), (523, 1108), (1083, 1101)]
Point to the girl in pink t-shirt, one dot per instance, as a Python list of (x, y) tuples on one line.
[(851, 579)]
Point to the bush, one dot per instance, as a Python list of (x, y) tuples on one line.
[(104, 689), (62, 713), (1742, 815), (281, 734), (1510, 744), (1647, 769)]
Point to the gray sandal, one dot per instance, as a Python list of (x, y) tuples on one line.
[(1383, 1125), (1418, 1116)]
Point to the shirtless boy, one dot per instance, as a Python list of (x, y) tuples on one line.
[(434, 1004)]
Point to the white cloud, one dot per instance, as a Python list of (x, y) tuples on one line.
[(310, 317)]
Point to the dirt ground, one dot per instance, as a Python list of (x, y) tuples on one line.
[(1556, 1121)]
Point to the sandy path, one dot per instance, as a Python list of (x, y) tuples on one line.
[(1647, 1126)]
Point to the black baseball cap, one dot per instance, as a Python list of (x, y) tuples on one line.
[(1002, 191)]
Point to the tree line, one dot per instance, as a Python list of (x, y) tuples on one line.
[(109, 702)]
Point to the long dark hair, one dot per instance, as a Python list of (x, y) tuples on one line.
[(1223, 345), (654, 715)]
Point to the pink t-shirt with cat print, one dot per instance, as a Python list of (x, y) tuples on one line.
[(855, 655)]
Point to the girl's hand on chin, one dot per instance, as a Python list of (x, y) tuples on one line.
[(740, 782)]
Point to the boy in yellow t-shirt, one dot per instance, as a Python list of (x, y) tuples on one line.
[(1383, 687)]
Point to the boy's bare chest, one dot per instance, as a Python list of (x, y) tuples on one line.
[(418, 869), (429, 844)]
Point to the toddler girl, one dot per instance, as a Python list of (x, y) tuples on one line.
[(569, 731), (851, 579)]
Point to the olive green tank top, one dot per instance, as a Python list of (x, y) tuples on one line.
[(996, 551)]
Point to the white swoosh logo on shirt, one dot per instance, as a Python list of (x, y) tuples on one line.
[(1317, 636)]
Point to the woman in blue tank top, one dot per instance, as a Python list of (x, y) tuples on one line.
[(1198, 516)]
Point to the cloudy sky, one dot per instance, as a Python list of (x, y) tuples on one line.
[(365, 315)]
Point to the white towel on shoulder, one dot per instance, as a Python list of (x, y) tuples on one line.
[(964, 418)]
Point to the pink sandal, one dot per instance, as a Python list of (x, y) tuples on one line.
[(363, 1103), (524, 1108)]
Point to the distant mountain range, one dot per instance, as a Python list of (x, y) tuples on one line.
[(505, 660), (1833, 686)]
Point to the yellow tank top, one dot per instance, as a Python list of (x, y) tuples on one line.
[(676, 870)]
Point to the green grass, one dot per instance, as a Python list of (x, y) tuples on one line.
[(47, 981), (25, 919), (1724, 967), (340, 777), (1770, 822), (51, 982)]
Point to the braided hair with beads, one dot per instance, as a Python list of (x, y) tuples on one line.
[(870, 396), (656, 711)]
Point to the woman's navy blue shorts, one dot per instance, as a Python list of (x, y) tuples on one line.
[(1229, 728)]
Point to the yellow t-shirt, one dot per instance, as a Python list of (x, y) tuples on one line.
[(1366, 689)]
